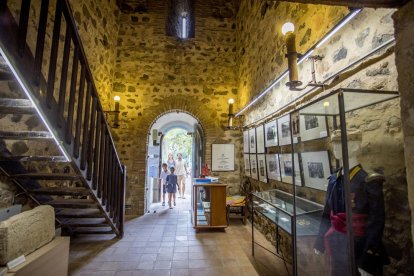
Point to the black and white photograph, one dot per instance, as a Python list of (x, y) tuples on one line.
[(316, 169), (253, 166), (246, 141), (273, 168), (271, 134), (246, 165), (295, 124), (222, 157), (261, 161), (287, 168), (312, 127), (260, 146), (252, 140), (283, 128)]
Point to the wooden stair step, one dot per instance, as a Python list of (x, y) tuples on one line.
[(16, 106), (26, 135), (73, 191), (83, 222), (47, 176), (34, 158), (78, 213), (73, 203), (92, 230)]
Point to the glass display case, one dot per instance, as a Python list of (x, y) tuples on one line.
[(337, 149), (209, 205), (277, 206)]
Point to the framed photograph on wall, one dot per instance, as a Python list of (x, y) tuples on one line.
[(253, 166), (287, 168), (271, 134), (283, 130), (295, 126), (312, 127), (273, 167), (246, 141), (316, 169), (246, 165), (222, 157), (261, 165), (252, 140), (260, 146)]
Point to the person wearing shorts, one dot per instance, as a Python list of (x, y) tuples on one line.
[(163, 178), (171, 186)]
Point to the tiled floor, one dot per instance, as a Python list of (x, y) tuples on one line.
[(164, 243)]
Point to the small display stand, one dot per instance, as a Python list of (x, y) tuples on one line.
[(209, 206)]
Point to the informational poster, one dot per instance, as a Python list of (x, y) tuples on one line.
[(222, 157)]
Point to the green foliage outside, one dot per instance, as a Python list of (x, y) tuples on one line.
[(177, 141)]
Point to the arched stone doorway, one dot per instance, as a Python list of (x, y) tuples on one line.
[(158, 150)]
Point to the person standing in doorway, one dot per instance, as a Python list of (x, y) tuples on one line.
[(170, 161), (163, 178), (171, 186), (181, 171)]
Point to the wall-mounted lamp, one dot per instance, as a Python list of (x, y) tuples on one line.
[(115, 112), (231, 114), (290, 39)]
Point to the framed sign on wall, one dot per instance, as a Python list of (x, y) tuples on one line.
[(222, 157)]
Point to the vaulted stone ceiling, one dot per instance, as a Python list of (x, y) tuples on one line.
[(356, 3)]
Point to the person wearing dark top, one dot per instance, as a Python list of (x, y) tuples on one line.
[(172, 184)]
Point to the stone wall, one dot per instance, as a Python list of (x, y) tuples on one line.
[(381, 124), (156, 74), (97, 22), (404, 26)]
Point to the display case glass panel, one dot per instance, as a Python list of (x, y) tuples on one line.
[(335, 170), (203, 217), (277, 206)]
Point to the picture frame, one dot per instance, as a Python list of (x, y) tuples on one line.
[(261, 167), (246, 141), (246, 164), (260, 142), (273, 167), (271, 139), (283, 130), (312, 127), (316, 169), (295, 125), (253, 167), (222, 157), (252, 140), (286, 169)]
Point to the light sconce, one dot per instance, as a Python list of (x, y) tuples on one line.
[(290, 39), (116, 112), (230, 125)]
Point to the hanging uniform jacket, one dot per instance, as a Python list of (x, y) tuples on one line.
[(368, 219)]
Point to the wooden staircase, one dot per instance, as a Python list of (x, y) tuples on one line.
[(55, 143)]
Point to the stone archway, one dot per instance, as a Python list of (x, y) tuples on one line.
[(132, 141)]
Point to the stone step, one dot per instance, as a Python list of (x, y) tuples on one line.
[(73, 191)]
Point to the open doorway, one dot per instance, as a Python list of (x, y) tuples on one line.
[(173, 133)]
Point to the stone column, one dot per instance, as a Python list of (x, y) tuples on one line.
[(404, 55)]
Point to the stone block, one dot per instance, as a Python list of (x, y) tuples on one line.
[(26, 232)]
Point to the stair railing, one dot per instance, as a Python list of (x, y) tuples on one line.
[(68, 100)]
